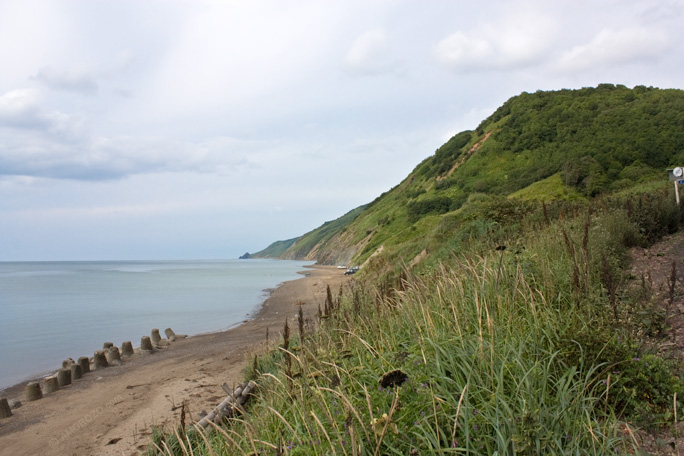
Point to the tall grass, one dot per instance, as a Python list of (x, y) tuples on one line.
[(516, 351)]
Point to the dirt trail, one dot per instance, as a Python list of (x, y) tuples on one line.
[(652, 270)]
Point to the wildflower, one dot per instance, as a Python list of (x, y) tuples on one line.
[(454, 444), (380, 423)]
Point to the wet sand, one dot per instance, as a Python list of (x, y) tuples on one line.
[(110, 411)]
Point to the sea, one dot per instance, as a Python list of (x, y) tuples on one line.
[(51, 311)]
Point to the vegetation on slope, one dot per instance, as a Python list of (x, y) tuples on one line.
[(561, 145), (313, 245), (492, 314), (537, 348)]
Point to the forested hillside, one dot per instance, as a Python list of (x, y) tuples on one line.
[(567, 145)]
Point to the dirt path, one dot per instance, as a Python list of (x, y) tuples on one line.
[(109, 412), (652, 272)]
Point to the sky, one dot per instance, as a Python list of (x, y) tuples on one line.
[(202, 129)]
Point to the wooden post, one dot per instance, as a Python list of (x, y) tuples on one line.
[(677, 192)]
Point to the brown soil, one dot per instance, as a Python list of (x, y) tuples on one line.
[(110, 412), (462, 160), (651, 271)]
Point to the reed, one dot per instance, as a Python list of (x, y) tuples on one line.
[(518, 351)]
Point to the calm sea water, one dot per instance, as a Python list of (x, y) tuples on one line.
[(50, 311)]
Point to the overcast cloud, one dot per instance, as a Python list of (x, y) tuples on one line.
[(164, 129)]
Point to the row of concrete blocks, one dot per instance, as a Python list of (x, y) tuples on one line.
[(74, 370)]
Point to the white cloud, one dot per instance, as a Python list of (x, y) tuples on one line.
[(511, 41), (370, 53), (75, 81), (614, 47), (461, 52), (249, 105), (20, 108)]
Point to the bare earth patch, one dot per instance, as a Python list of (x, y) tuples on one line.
[(652, 270)]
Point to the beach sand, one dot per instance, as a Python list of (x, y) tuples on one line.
[(110, 411)]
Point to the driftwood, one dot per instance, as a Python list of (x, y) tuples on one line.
[(228, 407)]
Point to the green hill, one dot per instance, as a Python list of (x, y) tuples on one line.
[(499, 309), (544, 146)]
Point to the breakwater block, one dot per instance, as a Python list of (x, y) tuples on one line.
[(127, 348), (68, 362), (99, 360), (50, 384), (145, 344), (84, 362), (32, 391), (164, 343), (113, 356), (5, 411), (170, 334), (64, 377), (107, 345), (76, 372), (155, 336)]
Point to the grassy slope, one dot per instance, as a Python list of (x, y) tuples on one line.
[(535, 349), (515, 332), (545, 146)]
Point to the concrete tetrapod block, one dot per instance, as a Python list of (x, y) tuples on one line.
[(155, 336), (145, 343), (68, 362), (84, 362), (99, 360), (113, 356), (107, 345), (33, 392), (163, 343), (50, 384), (5, 411), (64, 377), (127, 348), (170, 334), (76, 372)]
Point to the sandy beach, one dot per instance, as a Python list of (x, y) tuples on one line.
[(110, 411)]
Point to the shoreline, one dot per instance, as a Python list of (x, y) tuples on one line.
[(16, 389), (68, 309), (121, 403)]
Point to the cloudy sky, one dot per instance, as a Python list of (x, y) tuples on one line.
[(170, 129)]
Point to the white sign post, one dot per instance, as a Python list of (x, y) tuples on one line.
[(677, 176)]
